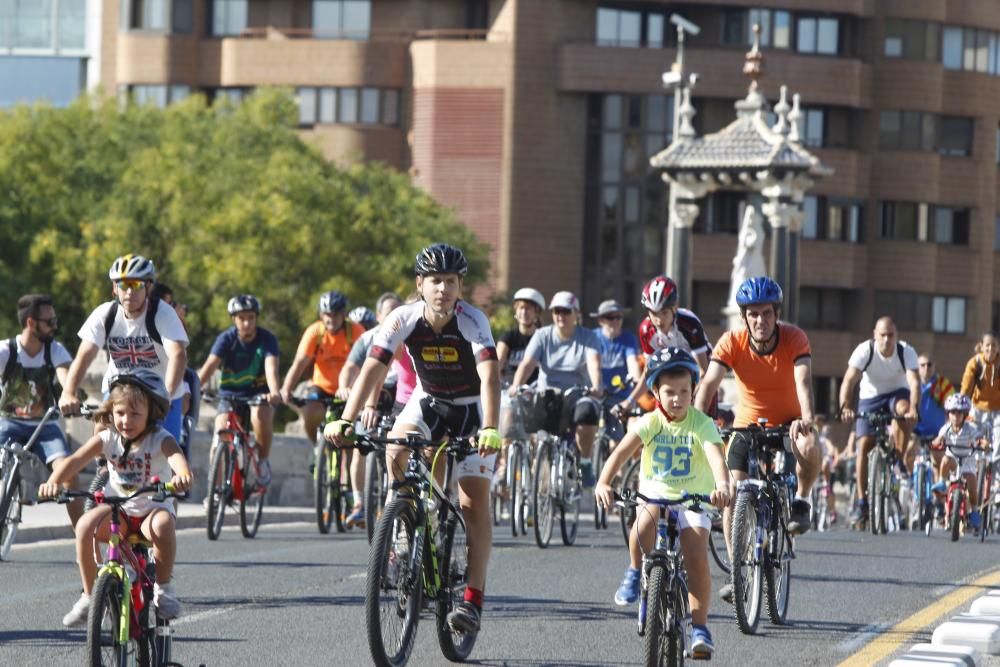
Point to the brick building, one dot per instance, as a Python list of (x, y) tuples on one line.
[(535, 119)]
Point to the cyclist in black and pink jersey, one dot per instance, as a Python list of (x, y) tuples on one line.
[(458, 395), (667, 325)]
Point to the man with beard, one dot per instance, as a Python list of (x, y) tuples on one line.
[(33, 363)]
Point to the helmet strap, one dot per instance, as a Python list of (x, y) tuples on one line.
[(663, 410)]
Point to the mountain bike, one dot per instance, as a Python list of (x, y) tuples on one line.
[(957, 507), (123, 627), (920, 513), (377, 480), (821, 500), (664, 615), (21, 473), (609, 430), (234, 469), (883, 481), (519, 462), (417, 557), (763, 548), (329, 493), (556, 480)]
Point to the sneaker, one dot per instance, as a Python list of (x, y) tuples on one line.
[(727, 593), (465, 618), (799, 522), (356, 518), (587, 475), (975, 520), (78, 614), (939, 511), (166, 602), (939, 487), (628, 590), (264, 473), (859, 515), (701, 643)]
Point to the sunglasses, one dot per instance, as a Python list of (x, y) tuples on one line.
[(134, 285), (52, 321), (611, 317), (561, 311)]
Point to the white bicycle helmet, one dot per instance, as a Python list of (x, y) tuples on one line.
[(958, 402), (132, 267), (530, 294)]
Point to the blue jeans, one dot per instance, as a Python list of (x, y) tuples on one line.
[(174, 419), (51, 442)]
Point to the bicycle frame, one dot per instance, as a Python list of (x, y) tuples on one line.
[(237, 438), (665, 553)]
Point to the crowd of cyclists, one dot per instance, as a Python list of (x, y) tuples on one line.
[(433, 365)]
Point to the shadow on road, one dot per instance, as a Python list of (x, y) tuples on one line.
[(518, 608), (43, 638)]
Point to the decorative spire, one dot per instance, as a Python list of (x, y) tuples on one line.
[(753, 67), (795, 119), (782, 109), (687, 112)]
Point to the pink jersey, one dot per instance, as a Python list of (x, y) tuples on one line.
[(406, 376)]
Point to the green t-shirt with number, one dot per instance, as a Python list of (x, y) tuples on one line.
[(673, 454)]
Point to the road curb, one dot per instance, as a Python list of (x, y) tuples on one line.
[(277, 515)]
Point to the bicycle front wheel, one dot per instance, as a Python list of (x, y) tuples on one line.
[(569, 507), (626, 515), (104, 625), (514, 474), (455, 646), (323, 494), (10, 508), (601, 450), (777, 574), (394, 586), (923, 508), (876, 493), (717, 545), (956, 514), (661, 643), (221, 471), (252, 504), (747, 581), (542, 495), (376, 484)]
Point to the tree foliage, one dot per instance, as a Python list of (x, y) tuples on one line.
[(225, 200)]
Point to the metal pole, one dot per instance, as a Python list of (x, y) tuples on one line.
[(679, 246)]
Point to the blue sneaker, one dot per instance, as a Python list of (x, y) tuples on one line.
[(628, 591), (587, 474), (975, 520), (701, 643), (356, 518), (264, 473), (938, 488)]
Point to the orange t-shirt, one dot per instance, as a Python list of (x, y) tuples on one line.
[(328, 352), (766, 382)]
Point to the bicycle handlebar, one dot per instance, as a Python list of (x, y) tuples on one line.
[(160, 490), (417, 441), (253, 401), (631, 497), (328, 401)]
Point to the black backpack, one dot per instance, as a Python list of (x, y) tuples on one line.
[(871, 355), (151, 308), (8, 370)]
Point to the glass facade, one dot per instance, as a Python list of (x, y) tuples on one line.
[(27, 79), (367, 106), (342, 19), (43, 26)]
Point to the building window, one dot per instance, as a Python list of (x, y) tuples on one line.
[(342, 19), (818, 35), (995, 317), (970, 50), (949, 314), (625, 218), (157, 94), (182, 16), (630, 28), (996, 238), (832, 219), (149, 15), (775, 27), (911, 311), (916, 40), (721, 213), (709, 298), (827, 308), (229, 17), (909, 221), (826, 395), (920, 131), (367, 106)]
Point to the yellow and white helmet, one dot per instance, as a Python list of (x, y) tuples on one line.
[(132, 267)]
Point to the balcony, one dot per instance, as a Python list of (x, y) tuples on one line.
[(296, 57), (587, 67), (156, 58)]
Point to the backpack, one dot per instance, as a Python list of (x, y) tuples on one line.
[(871, 355), (151, 308), (8, 370)]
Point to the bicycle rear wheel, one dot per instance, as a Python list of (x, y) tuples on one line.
[(747, 580), (626, 515), (543, 495), (104, 623), (393, 586), (456, 646), (956, 514), (323, 492), (876, 494), (252, 503), (601, 451), (10, 507), (569, 502), (221, 471), (514, 474), (923, 507), (376, 484), (777, 575), (717, 545)]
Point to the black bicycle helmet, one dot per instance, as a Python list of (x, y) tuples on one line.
[(242, 303), (332, 302), (441, 258)]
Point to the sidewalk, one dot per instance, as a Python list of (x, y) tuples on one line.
[(49, 521)]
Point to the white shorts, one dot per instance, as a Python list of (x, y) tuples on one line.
[(685, 518), (968, 463), (418, 415)]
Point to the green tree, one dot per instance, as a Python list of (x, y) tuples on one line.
[(224, 199)]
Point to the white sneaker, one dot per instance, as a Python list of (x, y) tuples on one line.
[(78, 614), (166, 602)]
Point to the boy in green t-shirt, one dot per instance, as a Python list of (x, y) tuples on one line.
[(681, 451)]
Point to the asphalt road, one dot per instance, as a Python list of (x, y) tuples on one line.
[(294, 597)]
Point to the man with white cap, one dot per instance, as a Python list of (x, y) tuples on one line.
[(568, 355), (619, 349)]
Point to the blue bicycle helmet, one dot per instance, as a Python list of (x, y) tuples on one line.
[(666, 359), (759, 290), (363, 316)]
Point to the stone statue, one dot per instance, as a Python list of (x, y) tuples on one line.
[(749, 259)]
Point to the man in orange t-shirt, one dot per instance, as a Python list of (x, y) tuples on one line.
[(325, 344), (772, 362)]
